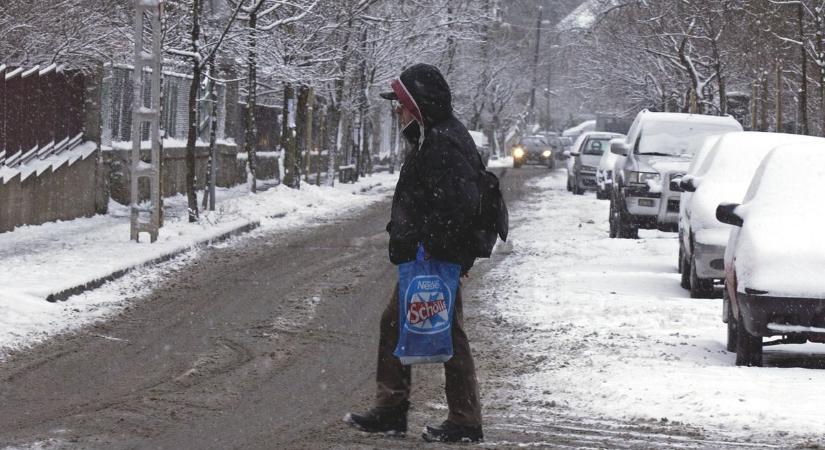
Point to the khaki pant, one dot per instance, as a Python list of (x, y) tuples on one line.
[(394, 378)]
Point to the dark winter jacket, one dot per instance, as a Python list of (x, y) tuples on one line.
[(436, 199)]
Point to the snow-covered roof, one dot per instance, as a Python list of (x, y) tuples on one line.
[(584, 16), (669, 117), (727, 171), (781, 246), (587, 125)]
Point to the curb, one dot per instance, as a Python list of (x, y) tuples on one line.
[(96, 283)]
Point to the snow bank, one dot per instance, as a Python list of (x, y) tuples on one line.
[(507, 161)]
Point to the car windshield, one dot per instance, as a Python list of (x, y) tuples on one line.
[(533, 143), (595, 146), (677, 138)]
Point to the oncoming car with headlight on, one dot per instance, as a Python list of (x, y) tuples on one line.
[(532, 150)]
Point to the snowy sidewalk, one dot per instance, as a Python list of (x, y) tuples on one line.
[(613, 334), (43, 260)]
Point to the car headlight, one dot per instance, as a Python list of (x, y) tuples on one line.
[(547, 153), (643, 177), (518, 152)]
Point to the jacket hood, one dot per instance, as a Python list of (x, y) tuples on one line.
[(424, 91)]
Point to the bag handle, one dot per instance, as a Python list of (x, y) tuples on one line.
[(420, 256)]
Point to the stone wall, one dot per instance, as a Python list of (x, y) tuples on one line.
[(173, 181)]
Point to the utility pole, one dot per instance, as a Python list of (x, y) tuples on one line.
[(146, 114), (535, 66)]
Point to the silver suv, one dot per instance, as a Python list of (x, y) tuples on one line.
[(656, 153)]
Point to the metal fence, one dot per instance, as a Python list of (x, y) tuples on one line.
[(116, 109), (41, 112)]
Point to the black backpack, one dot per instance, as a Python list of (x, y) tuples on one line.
[(492, 220)]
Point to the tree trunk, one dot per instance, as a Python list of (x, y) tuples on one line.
[(820, 48), (251, 132), (322, 133), (301, 119), (778, 96), (764, 100), (209, 192), (192, 136), (308, 137), (803, 82), (292, 176)]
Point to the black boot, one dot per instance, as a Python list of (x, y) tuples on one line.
[(390, 421), (450, 432)]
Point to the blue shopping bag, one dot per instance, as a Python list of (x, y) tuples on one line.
[(426, 296)]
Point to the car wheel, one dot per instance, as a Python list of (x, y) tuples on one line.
[(730, 345), (683, 270), (569, 184), (699, 288), (612, 220), (748, 347), (625, 229)]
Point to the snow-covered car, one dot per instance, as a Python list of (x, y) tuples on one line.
[(604, 172), (724, 176), (657, 143), (586, 160), (532, 150), (684, 203), (482, 145), (775, 255)]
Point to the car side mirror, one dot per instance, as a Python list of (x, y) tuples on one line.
[(676, 184), (726, 213), (567, 153), (688, 183), (575, 153), (618, 148)]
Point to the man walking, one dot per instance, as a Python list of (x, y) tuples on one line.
[(436, 203)]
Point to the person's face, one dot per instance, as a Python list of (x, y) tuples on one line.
[(405, 117)]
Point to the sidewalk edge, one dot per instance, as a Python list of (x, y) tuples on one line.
[(64, 294)]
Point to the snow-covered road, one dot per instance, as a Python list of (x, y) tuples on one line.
[(613, 335)]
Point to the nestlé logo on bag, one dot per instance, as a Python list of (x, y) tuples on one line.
[(428, 305)]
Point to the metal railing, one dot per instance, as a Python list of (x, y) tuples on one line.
[(116, 108)]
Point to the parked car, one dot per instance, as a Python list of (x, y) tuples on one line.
[(569, 160), (656, 143), (532, 150), (586, 160), (775, 255), (724, 176), (684, 203), (604, 172), (482, 145)]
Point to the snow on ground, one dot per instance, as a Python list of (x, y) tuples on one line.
[(45, 259), (506, 161), (615, 335)]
